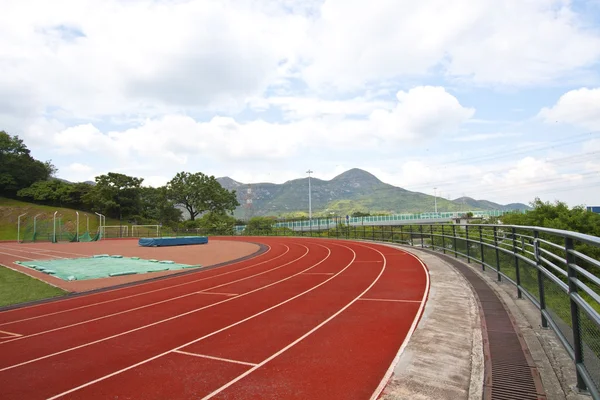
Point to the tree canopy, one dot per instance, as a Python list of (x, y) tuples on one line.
[(116, 195), (18, 169), (200, 193)]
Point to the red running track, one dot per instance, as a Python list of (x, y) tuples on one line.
[(310, 318)]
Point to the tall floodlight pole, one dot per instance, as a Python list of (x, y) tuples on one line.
[(19, 227), (309, 197), (87, 223), (435, 199)]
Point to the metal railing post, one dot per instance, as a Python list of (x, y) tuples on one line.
[(454, 239), (577, 344), (497, 254), (393, 241), (443, 240), (481, 248), (467, 243), (422, 241), (431, 234), (517, 270), (540, 278)]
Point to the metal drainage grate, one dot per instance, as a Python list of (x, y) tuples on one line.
[(510, 372)]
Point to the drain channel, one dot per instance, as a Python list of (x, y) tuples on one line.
[(510, 372)]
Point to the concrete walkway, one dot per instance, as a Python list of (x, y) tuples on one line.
[(444, 358)]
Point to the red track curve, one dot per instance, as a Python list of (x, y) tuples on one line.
[(310, 318)]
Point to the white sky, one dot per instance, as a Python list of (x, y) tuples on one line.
[(492, 100)]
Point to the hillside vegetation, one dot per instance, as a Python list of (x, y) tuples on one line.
[(10, 210)]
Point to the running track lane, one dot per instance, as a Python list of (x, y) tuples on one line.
[(120, 301), (197, 303), (61, 304), (337, 341), (29, 379)]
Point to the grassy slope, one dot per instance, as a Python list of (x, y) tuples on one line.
[(10, 210), (16, 287)]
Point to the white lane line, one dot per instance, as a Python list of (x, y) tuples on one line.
[(30, 252), (150, 305), (222, 294), (165, 320), (369, 261), (214, 358), (138, 285), (49, 250), (11, 333), (295, 342), (210, 334), (17, 256), (393, 300), (319, 273), (142, 293), (390, 370)]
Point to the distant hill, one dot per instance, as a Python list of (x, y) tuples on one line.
[(489, 205), (351, 191)]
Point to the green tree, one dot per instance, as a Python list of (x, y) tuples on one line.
[(217, 223), (200, 193), (18, 169), (260, 225), (116, 195), (53, 192), (156, 206)]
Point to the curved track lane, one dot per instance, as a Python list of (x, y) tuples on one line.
[(308, 319)]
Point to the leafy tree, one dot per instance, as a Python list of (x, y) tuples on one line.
[(200, 193), (557, 216), (18, 169), (116, 195), (53, 192), (156, 206), (262, 225), (217, 223)]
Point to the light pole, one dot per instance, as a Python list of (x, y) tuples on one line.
[(309, 197), (435, 198)]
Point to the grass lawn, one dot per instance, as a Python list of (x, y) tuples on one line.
[(16, 287)]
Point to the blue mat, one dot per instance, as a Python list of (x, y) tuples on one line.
[(172, 241)]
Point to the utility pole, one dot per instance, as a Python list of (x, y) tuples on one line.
[(435, 198), (309, 197)]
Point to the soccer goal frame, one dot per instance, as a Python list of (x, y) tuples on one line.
[(121, 230), (147, 227)]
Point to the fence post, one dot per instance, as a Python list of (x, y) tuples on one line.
[(577, 344), (481, 248), (393, 234), (454, 239), (422, 241), (382, 238), (517, 270), (443, 240), (467, 243), (540, 278), (497, 254), (431, 234)]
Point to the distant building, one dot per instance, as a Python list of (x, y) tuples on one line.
[(595, 209)]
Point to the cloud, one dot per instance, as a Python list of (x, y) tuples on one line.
[(352, 45), (421, 113), (577, 107)]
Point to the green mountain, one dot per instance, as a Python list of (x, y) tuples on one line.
[(352, 191), (489, 205)]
